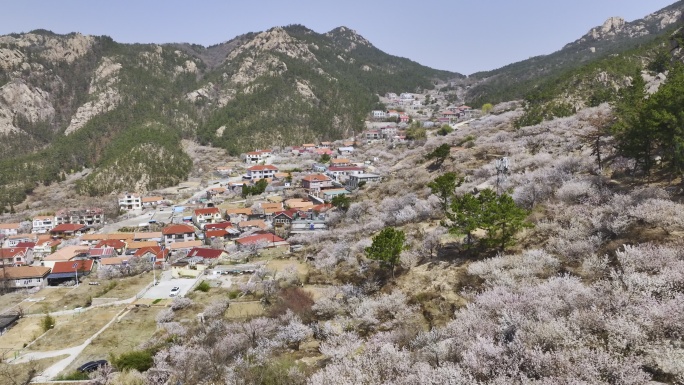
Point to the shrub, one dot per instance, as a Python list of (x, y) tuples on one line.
[(73, 376), (180, 303), (204, 287), (295, 299), (47, 323), (140, 360)]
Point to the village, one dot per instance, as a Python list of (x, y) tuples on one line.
[(224, 232)]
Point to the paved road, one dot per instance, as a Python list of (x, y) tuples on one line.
[(163, 289)]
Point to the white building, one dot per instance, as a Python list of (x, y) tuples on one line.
[(379, 114), (43, 224), (354, 180), (261, 172), (257, 156), (8, 229), (130, 201)]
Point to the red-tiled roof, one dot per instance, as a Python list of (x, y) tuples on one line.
[(178, 229), (268, 237), (157, 251), (115, 243), (262, 167), (29, 245), (205, 253), (316, 178), (345, 168), (220, 233), (67, 228), (70, 266), (11, 252), (215, 226), (288, 213), (207, 211)]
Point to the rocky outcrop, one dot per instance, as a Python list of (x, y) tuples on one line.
[(347, 38), (53, 48), (18, 98), (211, 93), (106, 95), (274, 40), (10, 58), (617, 28)]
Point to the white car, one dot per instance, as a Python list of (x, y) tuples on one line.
[(174, 291)]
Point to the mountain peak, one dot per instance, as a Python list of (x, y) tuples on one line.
[(347, 37), (615, 28)]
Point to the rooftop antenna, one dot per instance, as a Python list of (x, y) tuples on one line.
[(502, 167)]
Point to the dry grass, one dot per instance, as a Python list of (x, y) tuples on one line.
[(51, 299), (11, 374), (11, 299), (278, 265), (126, 287), (242, 310), (134, 328), (73, 329), (21, 334)]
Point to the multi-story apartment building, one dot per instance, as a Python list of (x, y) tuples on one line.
[(88, 217), (42, 224), (130, 201)]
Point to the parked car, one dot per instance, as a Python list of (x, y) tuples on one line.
[(92, 366), (174, 291)]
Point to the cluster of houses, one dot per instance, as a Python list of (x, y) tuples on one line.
[(63, 255), (65, 221), (64, 247)]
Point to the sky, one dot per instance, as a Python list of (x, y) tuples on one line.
[(463, 36)]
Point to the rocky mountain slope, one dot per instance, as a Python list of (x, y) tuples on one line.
[(74, 101), (614, 37)]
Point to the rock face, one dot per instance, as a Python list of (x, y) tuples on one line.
[(617, 28), (106, 95), (55, 48), (18, 98)]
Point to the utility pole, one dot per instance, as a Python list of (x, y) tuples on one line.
[(502, 167)]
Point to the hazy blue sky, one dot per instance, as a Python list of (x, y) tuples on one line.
[(458, 35)]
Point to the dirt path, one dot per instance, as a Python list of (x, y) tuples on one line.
[(73, 352)]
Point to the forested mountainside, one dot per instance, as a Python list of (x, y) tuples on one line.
[(614, 46), (69, 102)]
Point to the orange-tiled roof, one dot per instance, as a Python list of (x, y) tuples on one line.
[(245, 211), (254, 223), (208, 211), (20, 272), (147, 235), (140, 244), (185, 245), (67, 227), (316, 178), (178, 229), (152, 199), (66, 253)]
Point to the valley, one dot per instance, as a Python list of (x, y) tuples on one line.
[(292, 207)]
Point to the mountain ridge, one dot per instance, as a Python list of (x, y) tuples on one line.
[(73, 101)]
